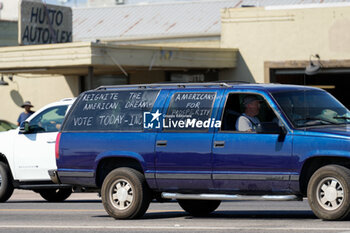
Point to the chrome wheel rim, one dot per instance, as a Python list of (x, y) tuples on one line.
[(0, 180), (121, 194), (330, 193)]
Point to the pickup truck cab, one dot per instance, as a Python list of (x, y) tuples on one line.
[(182, 141), (28, 152)]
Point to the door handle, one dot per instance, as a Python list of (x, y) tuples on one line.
[(219, 144), (162, 143), (49, 141)]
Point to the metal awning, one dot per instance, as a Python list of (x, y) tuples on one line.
[(77, 58)]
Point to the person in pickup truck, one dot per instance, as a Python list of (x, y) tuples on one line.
[(27, 112), (248, 121)]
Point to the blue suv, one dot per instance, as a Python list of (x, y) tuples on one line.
[(201, 143)]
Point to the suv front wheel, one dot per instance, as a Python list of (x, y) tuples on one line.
[(199, 207), (125, 194), (328, 192)]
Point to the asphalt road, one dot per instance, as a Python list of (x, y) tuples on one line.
[(27, 212)]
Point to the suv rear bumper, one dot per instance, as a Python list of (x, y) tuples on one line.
[(79, 178), (54, 176)]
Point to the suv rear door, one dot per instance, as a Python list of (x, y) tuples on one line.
[(184, 154)]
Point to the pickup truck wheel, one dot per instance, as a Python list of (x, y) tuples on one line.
[(55, 195), (199, 207), (328, 192), (125, 194), (6, 187)]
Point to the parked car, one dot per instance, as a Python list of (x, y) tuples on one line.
[(181, 141), (5, 125), (28, 152)]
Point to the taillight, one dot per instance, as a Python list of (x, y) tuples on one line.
[(57, 145)]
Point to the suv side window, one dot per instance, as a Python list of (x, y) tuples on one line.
[(236, 106), (189, 108), (122, 110), (49, 120)]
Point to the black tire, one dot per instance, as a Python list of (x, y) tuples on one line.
[(132, 195), (199, 207), (55, 195), (6, 186), (328, 192)]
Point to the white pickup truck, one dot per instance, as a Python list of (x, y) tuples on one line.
[(28, 152)]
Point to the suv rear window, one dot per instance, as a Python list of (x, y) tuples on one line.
[(110, 111), (189, 107)]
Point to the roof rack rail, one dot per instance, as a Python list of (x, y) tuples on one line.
[(221, 84), (233, 81)]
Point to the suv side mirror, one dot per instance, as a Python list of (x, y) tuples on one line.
[(24, 127), (270, 128)]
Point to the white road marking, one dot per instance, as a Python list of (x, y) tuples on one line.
[(214, 228), (79, 210)]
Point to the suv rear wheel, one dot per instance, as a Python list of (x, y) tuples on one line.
[(55, 195), (125, 194), (328, 192), (199, 207), (6, 187)]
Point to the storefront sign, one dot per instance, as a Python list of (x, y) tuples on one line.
[(41, 23)]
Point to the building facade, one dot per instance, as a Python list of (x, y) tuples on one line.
[(276, 44), (194, 41)]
